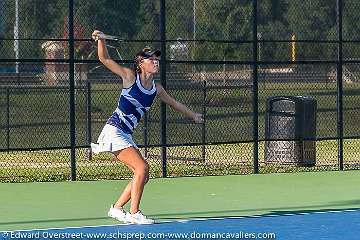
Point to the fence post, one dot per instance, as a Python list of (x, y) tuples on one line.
[(88, 118), (7, 118), (255, 92), (203, 132), (340, 122), (163, 83), (72, 90)]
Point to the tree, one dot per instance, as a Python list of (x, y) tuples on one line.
[(113, 17), (148, 20), (81, 48), (351, 29), (312, 20), (2, 17), (238, 26), (223, 20), (180, 19)]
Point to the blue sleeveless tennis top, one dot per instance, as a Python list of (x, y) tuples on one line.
[(132, 105)]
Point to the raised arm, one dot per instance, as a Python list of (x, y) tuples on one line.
[(178, 106), (125, 73)]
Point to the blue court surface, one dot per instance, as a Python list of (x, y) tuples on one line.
[(343, 224)]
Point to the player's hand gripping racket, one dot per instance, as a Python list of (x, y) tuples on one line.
[(96, 35)]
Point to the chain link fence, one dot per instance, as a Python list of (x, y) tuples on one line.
[(222, 58)]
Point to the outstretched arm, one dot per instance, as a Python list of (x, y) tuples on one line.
[(125, 73), (178, 106)]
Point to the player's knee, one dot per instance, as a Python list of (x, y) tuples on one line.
[(143, 170)]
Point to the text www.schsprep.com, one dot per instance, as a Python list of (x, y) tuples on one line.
[(136, 235)]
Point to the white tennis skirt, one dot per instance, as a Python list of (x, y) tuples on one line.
[(112, 139)]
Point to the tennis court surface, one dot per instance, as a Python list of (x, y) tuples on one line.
[(321, 205)]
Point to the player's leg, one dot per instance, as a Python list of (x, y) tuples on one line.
[(133, 159), (116, 210), (125, 195)]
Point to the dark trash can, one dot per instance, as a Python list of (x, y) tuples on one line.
[(290, 130)]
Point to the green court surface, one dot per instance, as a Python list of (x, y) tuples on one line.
[(64, 204)]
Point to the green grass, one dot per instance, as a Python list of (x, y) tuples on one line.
[(42, 116), (228, 118), (182, 161)]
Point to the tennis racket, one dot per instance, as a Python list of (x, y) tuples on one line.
[(109, 37)]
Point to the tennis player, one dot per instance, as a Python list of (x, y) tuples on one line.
[(137, 95)]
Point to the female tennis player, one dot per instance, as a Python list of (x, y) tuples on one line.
[(137, 95)]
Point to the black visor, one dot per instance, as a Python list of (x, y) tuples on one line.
[(148, 53)]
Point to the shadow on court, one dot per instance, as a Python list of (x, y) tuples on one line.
[(54, 220), (217, 214), (284, 210)]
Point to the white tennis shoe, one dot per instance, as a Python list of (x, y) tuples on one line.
[(117, 213), (138, 218)]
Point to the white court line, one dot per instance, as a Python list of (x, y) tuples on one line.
[(192, 219)]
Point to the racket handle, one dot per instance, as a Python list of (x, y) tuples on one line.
[(108, 37)]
